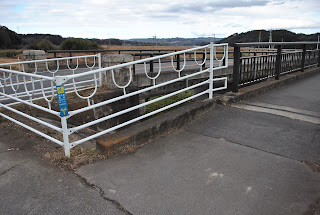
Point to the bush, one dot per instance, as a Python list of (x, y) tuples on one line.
[(42, 45), (78, 44), (9, 53)]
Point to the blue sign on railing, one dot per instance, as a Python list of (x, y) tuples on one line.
[(62, 100)]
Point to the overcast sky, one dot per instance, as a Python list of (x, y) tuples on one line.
[(126, 19)]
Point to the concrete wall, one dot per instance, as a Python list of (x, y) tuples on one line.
[(29, 55), (121, 75)]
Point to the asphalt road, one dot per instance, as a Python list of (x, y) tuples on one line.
[(242, 159)]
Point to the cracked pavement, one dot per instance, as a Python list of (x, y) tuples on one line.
[(242, 159), (29, 185)]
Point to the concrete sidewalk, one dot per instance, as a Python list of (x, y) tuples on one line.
[(229, 161), (242, 159)]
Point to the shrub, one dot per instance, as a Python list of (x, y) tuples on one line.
[(42, 45), (9, 53), (78, 44)]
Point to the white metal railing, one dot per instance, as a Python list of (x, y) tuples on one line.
[(48, 86)]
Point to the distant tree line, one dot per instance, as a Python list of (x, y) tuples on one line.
[(11, 40), (277, 36)]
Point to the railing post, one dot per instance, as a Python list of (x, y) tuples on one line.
[(278, 62), (178, 62), (100, 66), (71, 56), (303, 60), (55, 56), (236, 65), (151, 63), (63, 107), (211, 72)]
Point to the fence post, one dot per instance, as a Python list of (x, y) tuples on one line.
[(211, 72), (278, 62), (55, 56), (63, 107), (100, 73), (151, 63), (71, 56), (178, 62), (236, 65), (303, 60)]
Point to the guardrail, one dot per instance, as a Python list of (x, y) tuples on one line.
[(252, 69), (57, 89)]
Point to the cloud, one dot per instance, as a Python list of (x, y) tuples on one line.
[(165, 18), (208, 7)]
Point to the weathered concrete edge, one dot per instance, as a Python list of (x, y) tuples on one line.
[(129, 139), (256, 89)]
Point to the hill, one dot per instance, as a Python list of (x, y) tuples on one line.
[(277, 36), (9, 39)]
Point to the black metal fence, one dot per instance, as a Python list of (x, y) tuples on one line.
[(248, 70)]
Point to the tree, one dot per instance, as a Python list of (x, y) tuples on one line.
[(78, 44)]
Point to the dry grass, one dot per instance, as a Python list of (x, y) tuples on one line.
[(78, 156)]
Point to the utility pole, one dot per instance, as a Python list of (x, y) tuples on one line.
[(270, 40), (318, 43)]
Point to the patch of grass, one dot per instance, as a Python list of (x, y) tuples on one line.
[(78, 156), (167, 101)]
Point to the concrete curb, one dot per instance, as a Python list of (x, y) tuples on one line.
[(129, 139)]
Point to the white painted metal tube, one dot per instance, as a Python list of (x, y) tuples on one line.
[(27, 74), (38, 80), (136, 107), (72, 113), (31, 104), (44, 60), (68, 90), (73, 144), (32, 118), (211, 71), (138, 61), (32, 129)]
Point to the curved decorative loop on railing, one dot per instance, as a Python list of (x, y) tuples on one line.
[(4, 76), (94, 62), (26, 88), (11, 84), (125, 86), (76, 66), (155, 77), (50, 70), (35, 68), (223, 57), (204, 60), (44, 95), (86, 97), (184, 64)]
